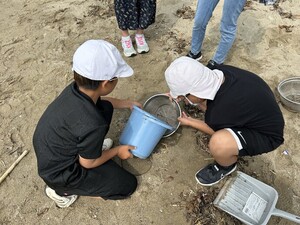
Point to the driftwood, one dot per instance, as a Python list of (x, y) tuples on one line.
[(2, 178)]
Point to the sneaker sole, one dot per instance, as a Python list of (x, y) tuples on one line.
[(143, 51), (62, 205), (199, 58), (72, 200), (208, 185), (130, 55)]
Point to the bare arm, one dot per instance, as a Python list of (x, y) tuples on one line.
[(122, 103), (121, 151), (195, 123)]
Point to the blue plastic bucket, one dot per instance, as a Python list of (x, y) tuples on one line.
[(143, 131)]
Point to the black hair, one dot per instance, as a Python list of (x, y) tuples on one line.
[(85, 82)]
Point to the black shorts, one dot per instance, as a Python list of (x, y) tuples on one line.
[(252, 143)]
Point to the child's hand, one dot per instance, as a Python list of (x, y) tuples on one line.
[(185, 119), (136, 104), (171, 98), (123, 151)]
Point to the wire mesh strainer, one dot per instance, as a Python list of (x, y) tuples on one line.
[(289, 91), (163, 108)]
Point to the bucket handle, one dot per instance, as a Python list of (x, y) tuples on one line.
[(286, 215)]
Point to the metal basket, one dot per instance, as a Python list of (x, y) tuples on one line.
[(289, 92)]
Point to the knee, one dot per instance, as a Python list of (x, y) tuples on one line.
[(200, 23), (199, 26), (227, 28), (217, 144), (125, 189)]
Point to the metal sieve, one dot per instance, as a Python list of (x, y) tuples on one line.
[(165, 109), (289, 91)]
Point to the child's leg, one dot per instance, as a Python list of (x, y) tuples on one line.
[(147, 11), (126, 15), (125, 33), (109, 181), (224, 148), (142, 46), (140, 31), (227, 144)]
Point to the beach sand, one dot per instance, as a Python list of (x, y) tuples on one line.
[(38, 40)]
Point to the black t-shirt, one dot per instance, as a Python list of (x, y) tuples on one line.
[(245, 100), (72, 125)]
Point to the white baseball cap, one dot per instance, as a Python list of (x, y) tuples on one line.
[(100, 60), (188, 76)]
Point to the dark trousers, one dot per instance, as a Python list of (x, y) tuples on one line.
[(109, 181)]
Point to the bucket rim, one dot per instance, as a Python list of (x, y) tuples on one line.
[(153, 118)]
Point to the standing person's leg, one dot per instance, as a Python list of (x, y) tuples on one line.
[(231, 12), (126, 15), (147, 11), (203, 14), (125, 33)]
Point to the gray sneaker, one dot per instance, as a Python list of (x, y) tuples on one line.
[(213, 173), (60, 201)]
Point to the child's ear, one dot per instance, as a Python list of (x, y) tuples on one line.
[(104, 83)]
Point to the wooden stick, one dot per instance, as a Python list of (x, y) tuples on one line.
[(12, 166)]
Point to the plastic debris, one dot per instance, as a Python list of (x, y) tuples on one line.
[(268, 2), (285, 152)]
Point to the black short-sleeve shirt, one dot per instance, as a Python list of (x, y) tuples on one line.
[(245, 100), (72, 125)]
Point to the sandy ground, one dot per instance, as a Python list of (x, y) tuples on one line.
[(38, 39)]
